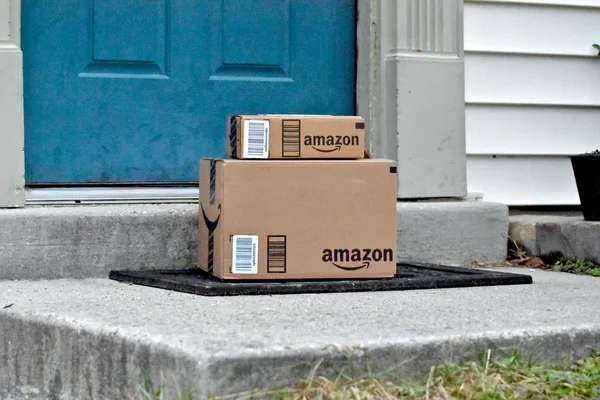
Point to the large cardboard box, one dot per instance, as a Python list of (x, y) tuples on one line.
[(296, 137), (297, 219)]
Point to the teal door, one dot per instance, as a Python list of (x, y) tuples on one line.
[(136, 91)]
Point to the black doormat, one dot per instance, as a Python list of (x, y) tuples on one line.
[(408, 277)]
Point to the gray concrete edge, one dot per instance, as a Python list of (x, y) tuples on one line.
[(66, 360), (89, 241), (556, 235), (452, 232)]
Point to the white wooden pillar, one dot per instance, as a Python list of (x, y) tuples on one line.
[(12, 171), (410, 89)]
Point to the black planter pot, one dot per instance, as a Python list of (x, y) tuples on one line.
[(586, 168)]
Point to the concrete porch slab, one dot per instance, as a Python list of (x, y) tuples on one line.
[(452, 232), (88, 241), (569, 235), (95, 338)]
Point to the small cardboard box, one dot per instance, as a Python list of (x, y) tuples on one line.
[(297, 219), (296, 137)]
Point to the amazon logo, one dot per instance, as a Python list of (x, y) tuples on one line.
[(211, 225), (331, 142), (356, 259)]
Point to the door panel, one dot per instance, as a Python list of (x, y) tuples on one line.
[(137, 91), (140, 44)]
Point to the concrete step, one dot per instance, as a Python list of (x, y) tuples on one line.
[(96, 339), (550, 234), (88, 241)]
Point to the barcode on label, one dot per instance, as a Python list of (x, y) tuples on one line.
[(245, 254), (290, 144), (256, 139), (276, 254)]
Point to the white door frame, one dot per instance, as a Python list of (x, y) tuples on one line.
[(12, 169), (410, 90)]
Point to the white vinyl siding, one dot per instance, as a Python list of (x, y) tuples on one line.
[(533, 97)]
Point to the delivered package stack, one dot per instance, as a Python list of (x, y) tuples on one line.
[(298, 199)]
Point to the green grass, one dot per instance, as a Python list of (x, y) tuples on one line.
[(579, 266), (483, 379), (149, 391)]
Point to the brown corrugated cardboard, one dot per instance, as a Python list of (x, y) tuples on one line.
[(291, 137), (284, 220)]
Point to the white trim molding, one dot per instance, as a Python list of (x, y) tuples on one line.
[(112, 195), (12, 168), (410, 89)]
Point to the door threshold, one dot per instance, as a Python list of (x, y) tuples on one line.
[(110, 195)]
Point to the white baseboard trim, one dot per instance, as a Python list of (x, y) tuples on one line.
[(111, 195)]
